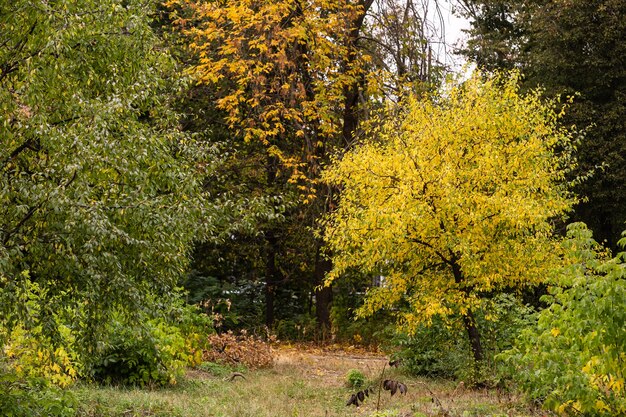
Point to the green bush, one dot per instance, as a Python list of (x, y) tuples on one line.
[(434, 351), (441, 349), (134, 355), (355, 379), (33, 397), (574, 359), (150, 351)]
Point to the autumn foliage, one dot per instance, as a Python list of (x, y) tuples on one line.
[(452, 201), (280, 70)]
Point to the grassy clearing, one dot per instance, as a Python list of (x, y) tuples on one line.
[(299, 385)]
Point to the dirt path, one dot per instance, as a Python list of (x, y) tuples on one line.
[(331, 366)]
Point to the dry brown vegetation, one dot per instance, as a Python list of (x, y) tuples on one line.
[(234, 350)]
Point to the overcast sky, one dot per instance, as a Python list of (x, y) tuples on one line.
[(454, 36)]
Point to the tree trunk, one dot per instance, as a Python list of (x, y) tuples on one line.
[(323, 294), (272, 273), (474, 336), (271, 277), (468, 319)]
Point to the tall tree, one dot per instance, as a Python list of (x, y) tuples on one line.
[(452, 202), (287, 75), (298, 78), (100, 194), (496, 33), (569, 47)]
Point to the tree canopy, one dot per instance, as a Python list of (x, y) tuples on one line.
[(569, 48), (453, 200), (100, 193), (290, 83), (280, 70)]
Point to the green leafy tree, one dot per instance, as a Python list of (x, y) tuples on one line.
[(100, 193), (452, 201), (496, 33), (569, 48), (578, 47), (574, 359)]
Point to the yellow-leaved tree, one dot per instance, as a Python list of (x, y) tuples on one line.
[(283, 72), (291, 82), (453, 200), (289, 77)]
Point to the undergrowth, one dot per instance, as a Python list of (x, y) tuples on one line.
[(234, 350)]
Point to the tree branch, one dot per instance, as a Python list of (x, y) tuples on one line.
[(21, 223), (445, 260)]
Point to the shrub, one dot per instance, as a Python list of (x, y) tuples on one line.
[(438, 350), (574, 359), (355, 379), (30, 356), (139, 355), (441, 349), (32, 397), (155, 351)]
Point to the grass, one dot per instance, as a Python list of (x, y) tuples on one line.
[(264, 393), (300, 384)]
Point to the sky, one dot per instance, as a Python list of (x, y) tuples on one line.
[(454, 36)]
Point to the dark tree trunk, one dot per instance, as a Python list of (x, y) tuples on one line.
[(271, 277), (474, 336), (468, 319), (272, 272), (350, 115), (351, 91), (323, 294)]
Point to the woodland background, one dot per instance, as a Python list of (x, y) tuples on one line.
[(309, 171)]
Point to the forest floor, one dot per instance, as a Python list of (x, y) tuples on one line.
[(302, 383)]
